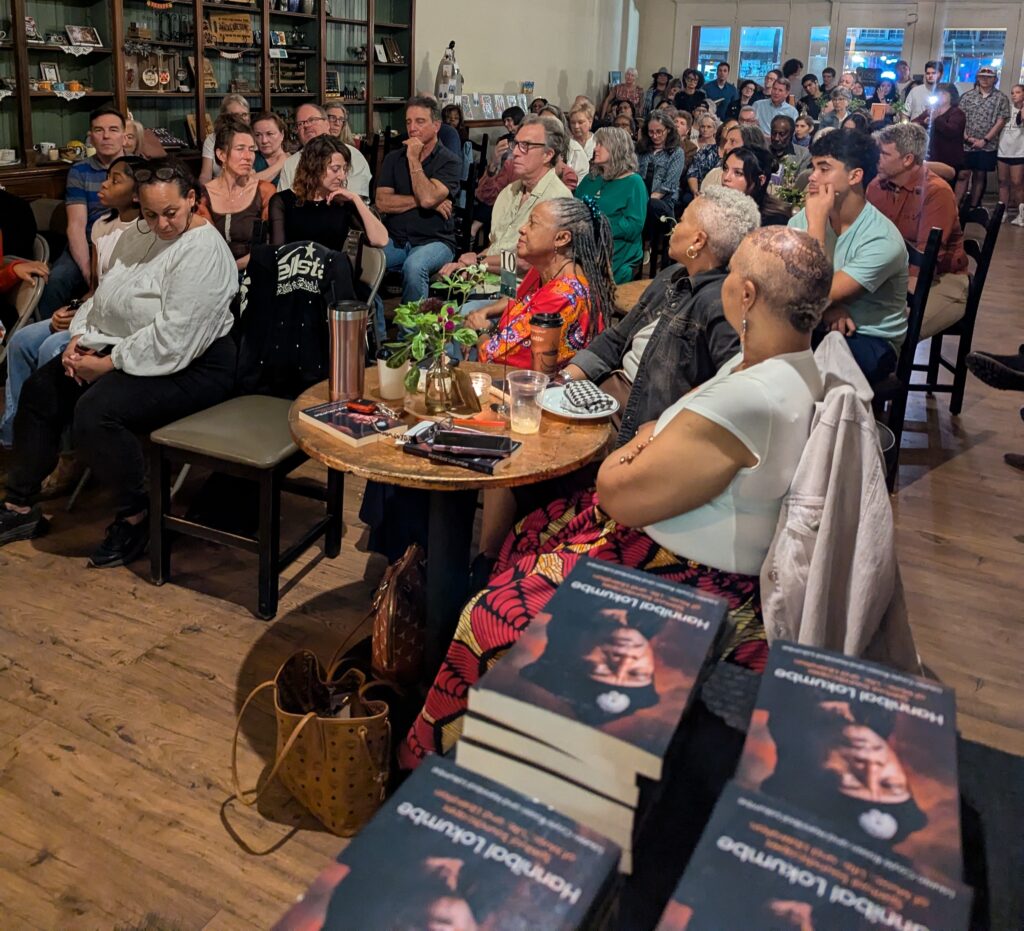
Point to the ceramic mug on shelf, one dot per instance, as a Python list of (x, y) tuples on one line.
[(44, 148), (6, 156)]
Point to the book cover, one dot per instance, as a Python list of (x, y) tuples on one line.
[(871, 749), (452, 849), (608, 669), (485, 464), (349, 426), (765, 864), (488, 107)]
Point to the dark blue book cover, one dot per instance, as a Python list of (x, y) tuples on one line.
[(766, 865), (454, 849)]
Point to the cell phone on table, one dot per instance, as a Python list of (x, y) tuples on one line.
[(361, 406), (472, 444)]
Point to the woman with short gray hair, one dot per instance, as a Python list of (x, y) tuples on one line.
[(618, 192), (725, 216), (837, 109)]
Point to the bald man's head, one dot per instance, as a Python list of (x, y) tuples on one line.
[(790, 274)]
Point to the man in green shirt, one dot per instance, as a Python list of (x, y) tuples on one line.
[(620, 194), (868, 300)]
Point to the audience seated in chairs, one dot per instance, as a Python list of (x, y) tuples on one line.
[(574, 156), (17, 226), (319, 206), (657, 92), (781, 144), (749, 92), (916, 200), (837, 109), (692, 94), (629, 91), (775, 105), (738, 439), (660, 164), (581, 119), (311, 121), (37, 343), (749, 171), (620, 194), (416, 193), (868, 300), (232, 106), (269, 132), (684, 123), (236, 201), (150, 346), (711, 143), (70, 272), (810, 103), (730, 136), (540, 142)]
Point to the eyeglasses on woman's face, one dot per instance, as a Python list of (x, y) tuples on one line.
[(336, 120)]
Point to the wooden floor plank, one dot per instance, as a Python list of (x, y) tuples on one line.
[(144, 683)]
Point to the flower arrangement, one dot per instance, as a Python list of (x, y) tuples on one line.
[(427, 326), (787, 190)]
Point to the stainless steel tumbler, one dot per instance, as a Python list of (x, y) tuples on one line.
[(348, 349)]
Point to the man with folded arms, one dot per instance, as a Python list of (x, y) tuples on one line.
[(915, 200)]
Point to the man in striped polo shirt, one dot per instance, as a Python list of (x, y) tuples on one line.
[(70, 273)]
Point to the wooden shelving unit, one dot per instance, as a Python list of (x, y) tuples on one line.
[(325, 41)]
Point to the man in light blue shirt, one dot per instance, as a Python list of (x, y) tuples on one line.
[(775, 105), (720, 91), (868, 300)]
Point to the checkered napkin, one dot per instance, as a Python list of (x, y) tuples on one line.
[(586, 397)]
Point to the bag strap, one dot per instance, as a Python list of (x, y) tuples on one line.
[(339, 654), (258, 790)]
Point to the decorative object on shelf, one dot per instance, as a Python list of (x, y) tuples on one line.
[(296, 39), (4, 92), (382, 56), (231, 28), (358, 52), (293, 6), (159, 4), (396, 57), (8, 157), (56, 38), (308, 7), (448, 85), (49, 71), (209, 78), (150, 78), (69, 95), (32, 30), (278, 38), (33, 84), (75, 86), (73, 151), (240, 86), (181, 79), (138, 32), (429, 327), (84, 35), (362, 90), (332, 83)]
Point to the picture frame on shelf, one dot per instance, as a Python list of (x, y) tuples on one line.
[(278, 38), (32, 30), (56, 38), (332, 84), (84, 35), (49, 71), (382, 56)]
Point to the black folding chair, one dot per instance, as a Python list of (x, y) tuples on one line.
[(963, 329), (891, 392)]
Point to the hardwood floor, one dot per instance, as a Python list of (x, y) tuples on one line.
[(118, 699)]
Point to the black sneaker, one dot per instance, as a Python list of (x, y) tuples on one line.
[(124, 543), (1004, 372), (15, 526)]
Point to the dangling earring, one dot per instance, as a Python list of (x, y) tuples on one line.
[(743, 331)]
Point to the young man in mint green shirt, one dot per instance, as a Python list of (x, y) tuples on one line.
[(868, 301)]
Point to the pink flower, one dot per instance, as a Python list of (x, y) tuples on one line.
[(449, 326)]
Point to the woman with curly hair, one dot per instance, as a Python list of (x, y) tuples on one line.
[(620, 195), (660, 164), (319, 206), (691, 96)]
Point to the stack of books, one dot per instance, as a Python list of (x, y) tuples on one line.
[(581, 713), (844, 812), (453, 850)]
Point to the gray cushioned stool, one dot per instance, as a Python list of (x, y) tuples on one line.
[(247, 437)]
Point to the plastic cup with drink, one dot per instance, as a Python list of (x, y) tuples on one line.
[(526, 389)]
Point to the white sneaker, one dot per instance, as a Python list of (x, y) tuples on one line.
[(1019, 221)]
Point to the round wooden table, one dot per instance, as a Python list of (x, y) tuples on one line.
[(560, 447)]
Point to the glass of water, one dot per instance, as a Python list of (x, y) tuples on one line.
[(526, 389)]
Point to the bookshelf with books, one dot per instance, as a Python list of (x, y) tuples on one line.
[(169, 64)]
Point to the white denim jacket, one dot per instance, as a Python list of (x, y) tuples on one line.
[(831, 578)]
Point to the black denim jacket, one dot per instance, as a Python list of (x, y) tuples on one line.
[(690, 343)]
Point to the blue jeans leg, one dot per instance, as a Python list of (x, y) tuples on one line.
[(31, 347), (422, 262), (395, 257), (875, 356), (64, 283)]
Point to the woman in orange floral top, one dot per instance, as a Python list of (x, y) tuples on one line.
[(568, 246)]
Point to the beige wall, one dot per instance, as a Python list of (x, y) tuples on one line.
[(566, 47)]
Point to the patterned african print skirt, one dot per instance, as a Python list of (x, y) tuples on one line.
[(536, 557)]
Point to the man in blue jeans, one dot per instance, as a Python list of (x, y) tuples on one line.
[(70, 274), (416, 191)]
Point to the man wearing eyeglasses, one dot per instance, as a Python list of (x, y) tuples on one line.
[(416, 191), (310, 122), (540, 142)]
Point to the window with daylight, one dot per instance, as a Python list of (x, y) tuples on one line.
[(964, 51), (873, 50), (712, 44), (817, 55), (760, 51)]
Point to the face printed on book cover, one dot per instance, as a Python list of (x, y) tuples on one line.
[(623, 658)]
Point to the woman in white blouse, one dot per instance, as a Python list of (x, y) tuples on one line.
[(149, 347), (695, 497)]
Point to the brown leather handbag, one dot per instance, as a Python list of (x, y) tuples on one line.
[(399, 619), (333, 743)]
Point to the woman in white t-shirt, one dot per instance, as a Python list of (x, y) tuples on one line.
[(1011, 158), (694, 499), (232, 105)]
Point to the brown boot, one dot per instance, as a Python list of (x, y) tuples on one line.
[(62, 480)]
